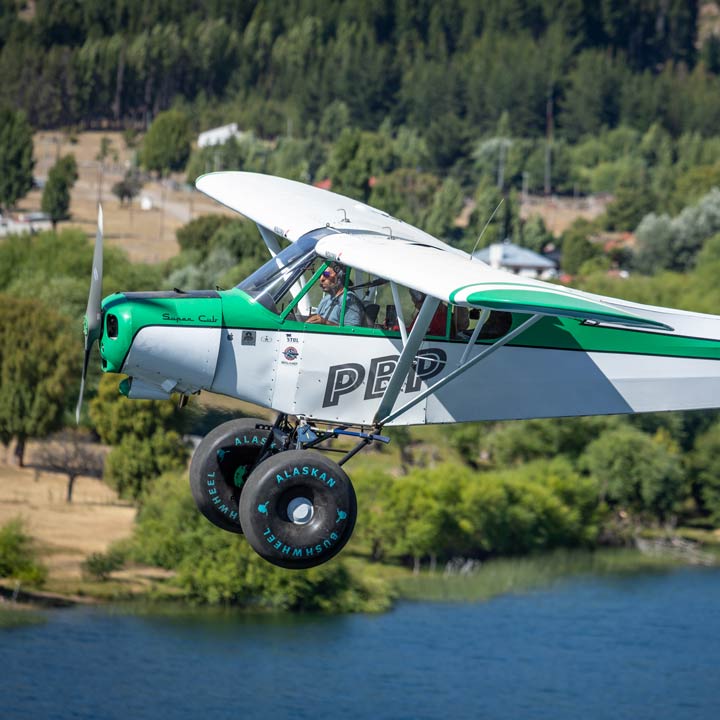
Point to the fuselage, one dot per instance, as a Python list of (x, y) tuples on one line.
[(228, 343)]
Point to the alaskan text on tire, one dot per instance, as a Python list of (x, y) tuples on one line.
[(298, 509), (220, 466)]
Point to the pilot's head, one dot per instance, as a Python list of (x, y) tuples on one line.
[(333, 278)]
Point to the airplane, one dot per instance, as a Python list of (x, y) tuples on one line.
[(418, 332)]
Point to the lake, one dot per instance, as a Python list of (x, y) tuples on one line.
[(640, 646)]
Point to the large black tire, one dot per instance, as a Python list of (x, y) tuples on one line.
[(220, 468), (292, 477)]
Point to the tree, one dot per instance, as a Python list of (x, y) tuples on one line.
[(166, 147), (636, 471), (103, 154), (705, 471), (56, 193), (38, 363), (196, 234), (576, 248), (18, 554), (16, 157), (144, 434), (72, 453), (128, 188)]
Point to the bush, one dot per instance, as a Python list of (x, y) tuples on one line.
[(18, 557), (98, 566)]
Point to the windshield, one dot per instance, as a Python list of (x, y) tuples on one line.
[(273, 280)]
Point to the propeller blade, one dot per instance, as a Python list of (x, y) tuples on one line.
[(93, 312), (86, 362)]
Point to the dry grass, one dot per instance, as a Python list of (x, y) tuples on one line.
[(146, 235), (66, 533)]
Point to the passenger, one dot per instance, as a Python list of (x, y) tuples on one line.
[(438, 324), (332, 282)]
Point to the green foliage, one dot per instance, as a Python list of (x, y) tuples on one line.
[(635, 471), (56, 193), (215, 567), (128, 188), (16, 157), (67, 166), (513, 443), (18, 557), (576, 250), (114, 416), (56, 268), (37, 366), (705, 472), (357, 157), (673, 243), (534, 234), (136, 461), (197, 233), (144, 435), (99, 566), (166, 146), (216, 251), (634, 199), (540, 506), (405, 193)]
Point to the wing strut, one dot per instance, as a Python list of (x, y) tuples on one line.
[(484, 315), (407, 356), (399, 312), (458, 371)]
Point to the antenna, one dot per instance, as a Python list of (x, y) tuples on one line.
[(345, 217), (389, 229), (482, 232)]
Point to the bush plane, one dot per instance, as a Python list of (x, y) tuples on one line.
[(359, 321)]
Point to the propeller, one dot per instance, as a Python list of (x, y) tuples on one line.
[(93, 312)]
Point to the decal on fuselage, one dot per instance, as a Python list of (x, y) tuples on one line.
[(348, 377)]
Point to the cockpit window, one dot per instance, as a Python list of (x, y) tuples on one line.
[(278, 276)]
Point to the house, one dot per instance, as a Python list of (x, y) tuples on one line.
[(517, 260), (219, 135), (26, 223)]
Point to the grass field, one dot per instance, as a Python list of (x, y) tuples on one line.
[(146, 235), (66, 533)]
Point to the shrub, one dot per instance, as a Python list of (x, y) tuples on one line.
[(18, 557), (98, 566)]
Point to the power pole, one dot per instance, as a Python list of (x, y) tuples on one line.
[(549, 126)]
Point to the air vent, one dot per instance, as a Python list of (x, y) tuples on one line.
[(112, 326)]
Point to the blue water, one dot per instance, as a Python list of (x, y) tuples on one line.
[(626, 647)]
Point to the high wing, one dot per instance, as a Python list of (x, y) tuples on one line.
[(291, 209), (374, 241), (462, 280)]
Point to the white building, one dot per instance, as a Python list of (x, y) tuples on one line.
[(517, 260), (218, 135)]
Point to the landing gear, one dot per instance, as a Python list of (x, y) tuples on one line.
[(298, 509), (221, 465)]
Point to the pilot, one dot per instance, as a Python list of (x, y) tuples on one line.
[(332, 282)]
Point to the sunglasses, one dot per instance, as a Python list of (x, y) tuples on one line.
[(328, 273)]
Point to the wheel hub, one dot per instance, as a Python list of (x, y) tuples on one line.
[(300, 511)]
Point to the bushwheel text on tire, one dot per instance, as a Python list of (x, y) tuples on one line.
[(298, 509), (220, 467)]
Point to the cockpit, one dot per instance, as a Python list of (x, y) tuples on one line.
[(289, 285)]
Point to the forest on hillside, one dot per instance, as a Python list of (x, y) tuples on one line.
[(450, 68)]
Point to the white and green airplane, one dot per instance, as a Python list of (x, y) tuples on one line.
[(357, 321)]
